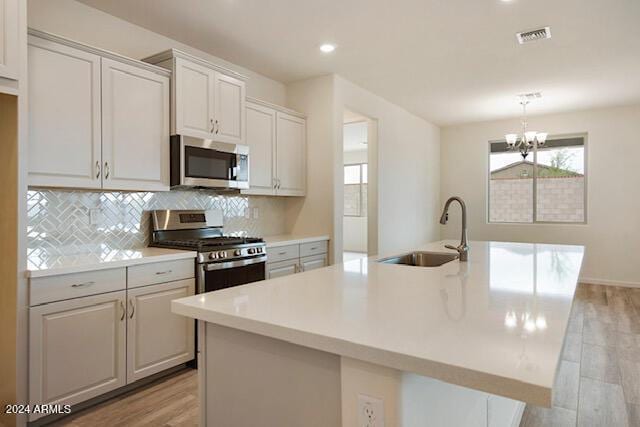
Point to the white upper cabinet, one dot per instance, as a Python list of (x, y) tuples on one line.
[(135, 128), (208, 100), (277, 150), (96, 120), (291, 155), (64, 116), (261, 139), (229, 109), (194, 99), (9, 39)]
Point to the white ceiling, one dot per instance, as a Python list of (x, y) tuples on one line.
[(354, 136), (448, 61)]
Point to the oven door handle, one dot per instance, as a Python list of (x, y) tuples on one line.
[(211, 266)]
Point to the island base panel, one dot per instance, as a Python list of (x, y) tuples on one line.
[(249, 379)]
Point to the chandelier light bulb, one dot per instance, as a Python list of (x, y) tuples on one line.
[(541, 137), (511, 138)]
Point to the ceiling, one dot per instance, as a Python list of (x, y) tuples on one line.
[(354, 136), (448, 61)]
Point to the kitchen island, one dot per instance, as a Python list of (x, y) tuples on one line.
[(466, 343)]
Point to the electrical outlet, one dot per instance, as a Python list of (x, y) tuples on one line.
[(95, 216), (256, 213), (370, 411), (247, 213)]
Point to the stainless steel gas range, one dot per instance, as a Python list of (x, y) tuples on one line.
[(223, 261)]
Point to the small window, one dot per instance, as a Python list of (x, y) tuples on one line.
[(546, 185), (355, 190)]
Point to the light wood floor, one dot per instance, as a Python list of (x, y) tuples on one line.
[(169, 402), (598, 381)]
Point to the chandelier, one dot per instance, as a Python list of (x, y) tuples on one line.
[(528, 139)]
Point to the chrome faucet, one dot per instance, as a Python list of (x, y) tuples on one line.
[(463, 248)]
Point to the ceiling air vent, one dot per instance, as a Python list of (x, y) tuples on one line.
[(534, 35), (529, 96)]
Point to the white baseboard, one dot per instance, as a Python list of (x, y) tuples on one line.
[(606, 282)]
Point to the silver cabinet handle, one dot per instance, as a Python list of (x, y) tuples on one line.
[(217, 127), (282, 253), (212, 126), (313, 248), (83, 285), (279, 183), (97, 169), (163, 272), (133, 308), (106, 170), (123, 310)]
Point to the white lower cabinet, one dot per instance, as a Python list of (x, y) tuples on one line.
[(296, 258), (313, 262), (93, 332), (283, 268), (77, 349), (157, 339)]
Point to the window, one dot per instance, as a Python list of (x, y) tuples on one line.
[(548, 185), (355, 190)]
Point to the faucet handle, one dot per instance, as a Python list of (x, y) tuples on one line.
[(452, 247)]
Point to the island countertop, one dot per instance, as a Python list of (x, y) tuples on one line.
[(495, 323)]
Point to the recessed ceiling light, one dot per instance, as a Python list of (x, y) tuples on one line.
[(327, 48)]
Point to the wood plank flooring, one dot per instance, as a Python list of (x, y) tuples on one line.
[(169, 402), (598, 382)]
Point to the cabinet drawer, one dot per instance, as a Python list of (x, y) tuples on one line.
[(283, 253), (313, 248), (67, 286), (160, 272), (313, 262), (283, 268)]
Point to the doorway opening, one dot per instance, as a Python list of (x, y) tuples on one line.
[(356, 185)]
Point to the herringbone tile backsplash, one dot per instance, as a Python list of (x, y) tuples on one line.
[(59, 222)]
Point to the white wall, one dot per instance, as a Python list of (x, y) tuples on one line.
[(85, 24), (407, 174), (612, 232), (313, 214), (406, 164)]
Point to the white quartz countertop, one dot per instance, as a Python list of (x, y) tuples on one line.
[(291, 239), (44, 265), (495, 323)]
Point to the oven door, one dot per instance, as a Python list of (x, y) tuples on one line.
[(214, 276), (206, 163)]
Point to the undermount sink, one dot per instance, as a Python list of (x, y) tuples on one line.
[(421, 259)]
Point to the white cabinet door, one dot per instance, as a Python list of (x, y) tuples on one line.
[(76, 349), (229, 113), (261, 139), (313, 262), (64, 116), (194, 100), (283, 268), (290, 155), (135, 128), (158, 339), (9, 39)]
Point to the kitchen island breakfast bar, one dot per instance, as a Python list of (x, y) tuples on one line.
[(371, 343)]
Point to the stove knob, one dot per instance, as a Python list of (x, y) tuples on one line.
[(252, 251), (237, 252), (259, 250), (212, 255), (222, 254)]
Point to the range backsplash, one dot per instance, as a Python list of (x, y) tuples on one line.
[(59, 220)]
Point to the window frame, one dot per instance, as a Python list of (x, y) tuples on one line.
[(585, 139), (361, 184)]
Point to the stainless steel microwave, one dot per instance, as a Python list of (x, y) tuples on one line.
[(205, 163)]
